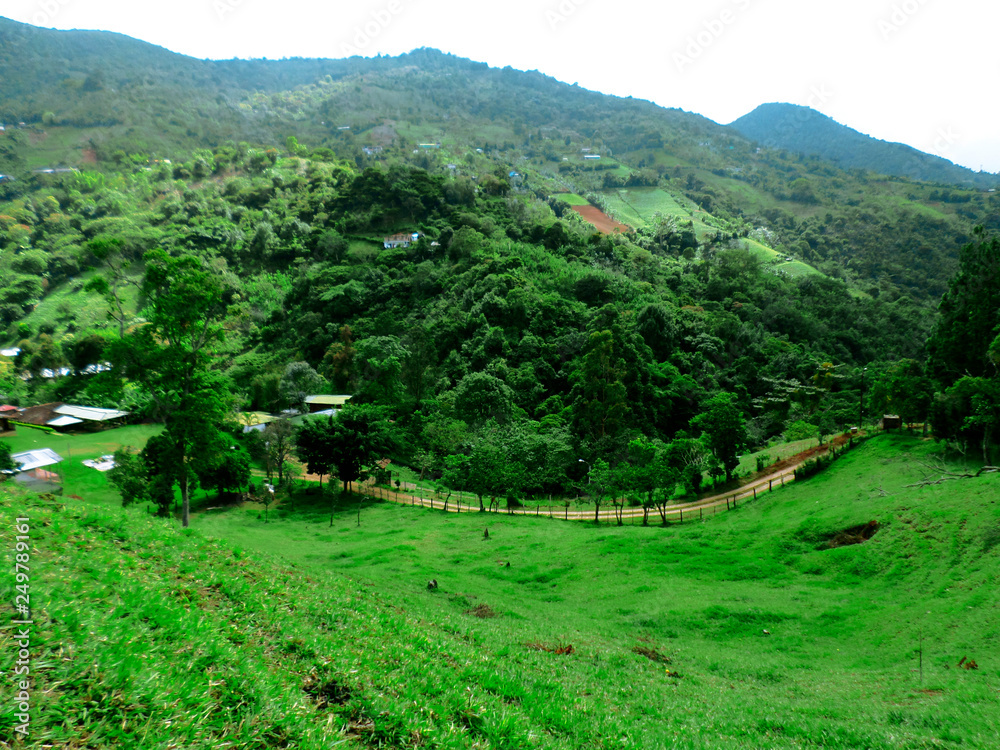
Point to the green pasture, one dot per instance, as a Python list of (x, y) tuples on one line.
[(839, 665), (572, 199), (746, 630)]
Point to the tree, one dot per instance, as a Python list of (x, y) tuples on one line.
[(6, 462), (277, 447), (230, 472), (723, 424), (902, 389), (359, 435), (338, 363), (969, 314), (380, 360), (298, 382), (172, 356), (600, 408), (314, 447), (115, 281), (130, 476), (602, 483), (480, 397)]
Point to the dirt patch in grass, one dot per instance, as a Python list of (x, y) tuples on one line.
[(854, 535), (601, 221), (652, 654), (482, 611), (559, 650), (327, 693)]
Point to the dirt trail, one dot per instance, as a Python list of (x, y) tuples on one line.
[(774, 476)]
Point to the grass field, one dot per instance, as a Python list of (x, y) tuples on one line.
[(308, 634), (70, 304), (572, 199)]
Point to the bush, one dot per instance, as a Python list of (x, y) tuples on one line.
[(800, 430)]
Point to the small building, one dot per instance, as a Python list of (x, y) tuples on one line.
[(323, 404), (400, 240), (31, 471), (89, 415), (62, 416), (591, 157), (255, 421), (7, 413), (891, 422)]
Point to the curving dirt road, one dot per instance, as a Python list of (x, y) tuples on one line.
[(775, 476)]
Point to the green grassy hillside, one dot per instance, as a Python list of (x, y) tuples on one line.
[(299, 634)]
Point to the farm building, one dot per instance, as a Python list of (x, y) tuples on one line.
[(255, 421), (7, 413), (891, 422), (62, 416), (400, 240), (31, 470), (318, 404)]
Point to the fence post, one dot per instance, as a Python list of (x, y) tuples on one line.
[(754, 493), (727, 503), (770, 483), (701, 514), (682, 515)]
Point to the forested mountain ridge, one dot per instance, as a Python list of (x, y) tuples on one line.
[(94, 99), (801, 129), (510, 315)]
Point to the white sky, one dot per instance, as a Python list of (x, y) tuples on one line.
[(922, 72)]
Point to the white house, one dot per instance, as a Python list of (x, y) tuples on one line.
[(400, 240)]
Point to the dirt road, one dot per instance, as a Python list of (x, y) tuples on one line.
[(770, 479)]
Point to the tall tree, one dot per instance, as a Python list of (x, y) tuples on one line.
[(314, 446), (172, 355), (723, 424), (298, 382), (970, 314), (277, 447)]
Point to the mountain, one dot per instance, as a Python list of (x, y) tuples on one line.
[(106, 103), (803, 130)]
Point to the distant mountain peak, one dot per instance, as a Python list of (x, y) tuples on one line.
[(801, 129)]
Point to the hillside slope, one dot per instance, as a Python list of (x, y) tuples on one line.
[(148, 636)]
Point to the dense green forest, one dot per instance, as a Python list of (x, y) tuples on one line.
[(757, 293)]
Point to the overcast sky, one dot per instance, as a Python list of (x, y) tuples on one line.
[(922, 72)]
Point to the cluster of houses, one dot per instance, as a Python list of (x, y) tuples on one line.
[(33, 467), (60, 416)]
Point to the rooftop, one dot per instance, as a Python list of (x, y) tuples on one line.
[(36, 459)]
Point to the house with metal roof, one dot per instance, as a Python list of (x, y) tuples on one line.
[(32, 473), (61, 416), (318, 404)]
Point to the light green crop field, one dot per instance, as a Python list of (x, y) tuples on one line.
[(572, 199), (638, 207), (745, 631), (796, 269)]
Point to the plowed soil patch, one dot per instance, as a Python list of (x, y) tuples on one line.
[(601, 220)]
